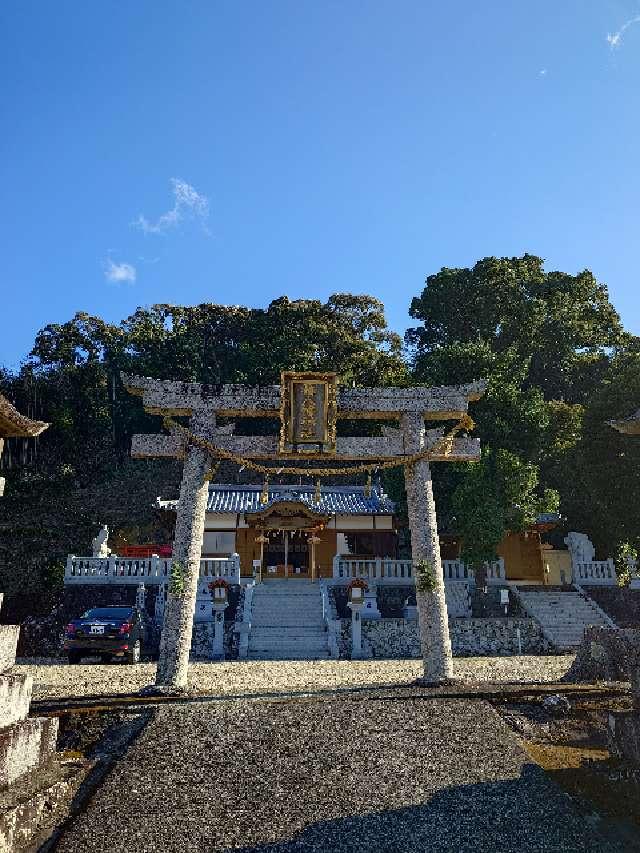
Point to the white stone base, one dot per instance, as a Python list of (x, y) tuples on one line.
[(25, 746), (15, 696)]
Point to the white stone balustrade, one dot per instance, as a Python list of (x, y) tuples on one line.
[(384, 571), (456, 570), (149, 570), (596, 573), (376, 569)]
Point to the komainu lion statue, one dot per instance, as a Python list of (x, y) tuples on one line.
[(580, 547), (99, 544)]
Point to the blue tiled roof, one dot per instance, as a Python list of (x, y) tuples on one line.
[(346, 500)]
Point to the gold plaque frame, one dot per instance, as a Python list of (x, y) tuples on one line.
[(294, 412)]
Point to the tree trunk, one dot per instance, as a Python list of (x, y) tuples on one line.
[(435, 642)]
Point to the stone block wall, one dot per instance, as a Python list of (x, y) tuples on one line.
[(390, 600), (399, 638), (497, 637), (606, 654), (619, 603)]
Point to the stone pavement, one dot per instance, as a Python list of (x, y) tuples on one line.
[(387, 773)]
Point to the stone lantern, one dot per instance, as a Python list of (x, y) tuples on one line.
[(356, 601), (220, 601)]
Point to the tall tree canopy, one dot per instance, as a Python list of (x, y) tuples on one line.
[(72, 374), (544, 341)]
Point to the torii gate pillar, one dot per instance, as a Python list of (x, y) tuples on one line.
[(425, 545), (175, 642)]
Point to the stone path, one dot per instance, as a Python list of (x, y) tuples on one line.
[(381, 774), (55, 679)]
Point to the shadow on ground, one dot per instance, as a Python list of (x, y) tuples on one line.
[(525, 814)]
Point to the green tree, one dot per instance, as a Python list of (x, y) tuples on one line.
[(543, 340), (599, 475)]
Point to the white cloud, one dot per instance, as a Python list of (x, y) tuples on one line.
[(118, 273), (188, 204), (542, 72), (615, 39)]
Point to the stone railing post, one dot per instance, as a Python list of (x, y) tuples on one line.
[(161, 597), (377, 571), (111, 569), (435, 642), (235, 578), (154, 566), (175, 642), (141, 597), (336, 566)]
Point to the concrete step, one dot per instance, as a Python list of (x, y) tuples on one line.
[(26, 745), (563, 615), (285, 649), (299, 652), (285, 619), (286, 608), (276, 630), (272, 634), (272, 655), (15, 697), (287, 623), (8, 643), (286, 601)]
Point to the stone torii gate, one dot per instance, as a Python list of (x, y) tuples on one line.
[(308, 405)]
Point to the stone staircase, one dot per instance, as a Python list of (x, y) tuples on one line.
[(286, 621), (458, 597), (26, 743), (562, 614)]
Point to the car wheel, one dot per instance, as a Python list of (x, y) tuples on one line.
[(135, 653), (74, 657), (106, 658)]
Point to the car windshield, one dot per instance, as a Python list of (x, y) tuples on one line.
[(108, 613)]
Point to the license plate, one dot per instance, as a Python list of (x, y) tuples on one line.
[(97, 629)]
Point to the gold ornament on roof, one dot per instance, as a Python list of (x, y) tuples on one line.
[(367, 488)]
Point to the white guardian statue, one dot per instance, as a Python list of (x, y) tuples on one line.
[(580, 547), (99, 544)]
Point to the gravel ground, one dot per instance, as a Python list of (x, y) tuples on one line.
[(58, 679), (365, 773)]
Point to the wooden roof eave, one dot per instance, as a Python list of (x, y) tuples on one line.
[(15, 425)]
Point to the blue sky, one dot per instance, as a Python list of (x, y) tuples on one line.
[(237, 151)]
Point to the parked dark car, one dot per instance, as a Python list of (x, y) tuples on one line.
[(110, 632)]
